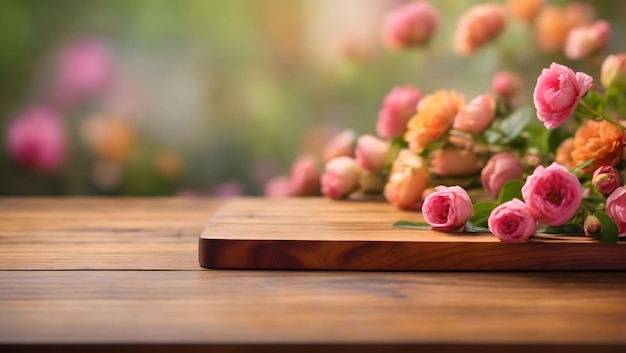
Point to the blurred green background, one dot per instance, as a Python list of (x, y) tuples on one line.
[(214, 97)]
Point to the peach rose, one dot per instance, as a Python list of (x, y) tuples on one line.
[(435, 115), (476, 116), (525, 10), (341, 177), (371, 153), (341, 144), (454, 162), (551, 29), (408, 179), (600, 140), (586, 40), (481, 24), (564, 153)]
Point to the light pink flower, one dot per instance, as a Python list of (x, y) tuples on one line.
[(341, 177), (500, 168), (411, 25), (305, 176), (613, 72), (408, 179), (553, 194), (558, 92), (371, 153), (476, 116), (481, 24), (448, 208), (507, 84), (454, 162), (85, 67), (399, 106), (37, 139), (228, 189), (606, 179), (616, 209), (341, 144), (512, 221), (586, 40), (278, 187)]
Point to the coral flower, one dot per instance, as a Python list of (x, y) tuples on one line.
[(564, 153), (476, 116), (435, 115), (586, 40), (525, 10), (408, 179), (551, 29), (601, 140), (454, 162), (479, 25)]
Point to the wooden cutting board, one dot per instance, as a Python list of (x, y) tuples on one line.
[(323, 234)]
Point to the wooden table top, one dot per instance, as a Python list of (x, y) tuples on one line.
[(109, 272)]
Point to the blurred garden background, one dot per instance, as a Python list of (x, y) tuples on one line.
[(216, 97)]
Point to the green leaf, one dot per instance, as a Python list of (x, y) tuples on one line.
[(512, 189), (608, 233), (582, 165), (570, 229), (555, 138), (482, 211), (515, 123), (411, 225)]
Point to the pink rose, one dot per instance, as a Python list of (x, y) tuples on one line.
[(371, 153), (500, 168), (476, 116), (506, 84), (277, 187), (454, 162), (448, 208), (408, 179), (616, 209), (305, 177), (481, 24), (411, 25), (37, 139), (341, 144), (341, 177), (558, 92), (399, 106), (512, 221), (553, 194), (606, 179), (586, 40)]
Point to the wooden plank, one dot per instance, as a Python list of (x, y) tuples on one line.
[(258, 307), (102, 233), (322, 234)]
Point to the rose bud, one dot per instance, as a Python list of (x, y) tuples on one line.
[(613, 73), (305, 177), (408, 179), (476, 116), (454, 162), (591, 225), (512, 221), (37, 140), (448, 208), (411, 25), (553, 194), (616, 209), (399, 106), (279, 186), (341, 177), (341, 144), (371, 153), (481, 24), (525, 10), (500, 168), (507, 84), (583, 41), (558, 92), (606, 179)]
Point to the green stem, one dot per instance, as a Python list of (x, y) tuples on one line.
[(601, 116)]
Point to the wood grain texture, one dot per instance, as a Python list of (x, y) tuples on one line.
[(321, 234)]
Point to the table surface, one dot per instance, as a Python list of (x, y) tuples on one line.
[(124, 272)]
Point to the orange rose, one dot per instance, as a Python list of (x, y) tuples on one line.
[(435, 115), (525, 10), (551, 29), (564, 153), (454, 162), (600, 140)]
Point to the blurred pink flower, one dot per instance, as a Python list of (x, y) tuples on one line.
[(507, 84), (228, 189), (408, 179), (616, 209), (553, 194), (411, 25), (477, 115), (371, 153), (479, 25), (279, 186), (558, 92), (512, 221), (37, 139), (586, 40), (85, 68), (341, 144), (305, 177), (448, 208), (614, 71), (500, 168), (454, 162), (341, 177), (606, 179), (399, 106)]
